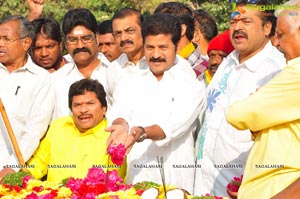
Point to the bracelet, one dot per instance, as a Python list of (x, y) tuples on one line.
[(143, 135)]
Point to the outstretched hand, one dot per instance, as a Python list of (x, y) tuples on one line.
[(120, 135)]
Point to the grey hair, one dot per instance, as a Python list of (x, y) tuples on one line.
[(26, 28), (291, 10)]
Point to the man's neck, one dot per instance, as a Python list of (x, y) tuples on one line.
[(87, 69), (18, 63), (182, 43), (135, 57), (203, 46), (244, 56)]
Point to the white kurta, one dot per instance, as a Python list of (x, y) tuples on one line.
[(119, 69), (66, 76), (222, 150), (27, 95), (173, 103)]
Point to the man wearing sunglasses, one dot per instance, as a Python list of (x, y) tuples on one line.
[(222, 150), (79, 27)]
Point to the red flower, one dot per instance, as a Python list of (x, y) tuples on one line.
[(117, 153), (95, 176), (140, 192), (25, 181), (38, 188), (32, 196), (234, 185)]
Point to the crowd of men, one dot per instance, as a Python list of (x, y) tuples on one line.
[(166, 85)]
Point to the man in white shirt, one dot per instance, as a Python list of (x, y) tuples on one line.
[(79, 27), (222, 150), (25, 90), (126, 25), (158, 110)]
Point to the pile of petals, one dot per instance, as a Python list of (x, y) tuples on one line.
[(95, 183), (92, 186), (34, 189)]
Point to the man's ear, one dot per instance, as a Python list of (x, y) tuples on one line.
[(183, 30), (267, 28), (27, 41), (197, 35)]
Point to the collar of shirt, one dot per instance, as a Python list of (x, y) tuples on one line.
[(69, 67), (254, 62), (97, 130), (187, 50), (29, 66), (293, 61), (124, 62)]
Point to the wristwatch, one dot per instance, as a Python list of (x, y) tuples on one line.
[(143, 135)]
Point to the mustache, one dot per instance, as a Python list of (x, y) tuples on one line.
[(84, 49), (159, 59), (214, 65), (127, 41), (85, 115), (239, 33)]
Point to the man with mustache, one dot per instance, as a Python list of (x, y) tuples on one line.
[(272, 113), (126, 24), (221, 149), (159, 108), (73, 144), (79, 27), (186, 48), (219, 47)]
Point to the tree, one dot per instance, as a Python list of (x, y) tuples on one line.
[(105, 9)]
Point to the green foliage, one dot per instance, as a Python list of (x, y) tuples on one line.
[(105, 9), (14, 179), (218, 9)]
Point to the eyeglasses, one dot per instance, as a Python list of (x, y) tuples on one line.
[(84, 39), (6, 40)]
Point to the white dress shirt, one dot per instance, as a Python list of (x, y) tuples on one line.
[(66, 76), (119, 69), (27, 95), (222, 150), (173, 103)]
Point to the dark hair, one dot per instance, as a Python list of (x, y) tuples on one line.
[(182, 12), (125, 12), (273, 20), (206, 23), (26, 29), (81, 86), (162, 23), (79, 17), (104, 27), (47, 26)]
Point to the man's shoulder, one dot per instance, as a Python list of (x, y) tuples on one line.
[(63, 71)]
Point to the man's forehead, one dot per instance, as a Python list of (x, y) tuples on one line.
[(79, 30)]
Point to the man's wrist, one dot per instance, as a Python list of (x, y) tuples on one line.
[(143, 135)]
